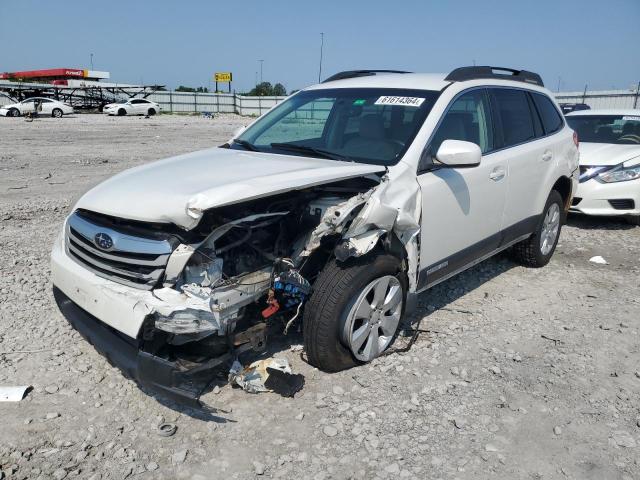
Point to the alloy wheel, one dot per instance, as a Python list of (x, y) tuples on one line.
[(373, 320)]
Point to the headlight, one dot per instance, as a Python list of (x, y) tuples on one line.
[(620, 174)]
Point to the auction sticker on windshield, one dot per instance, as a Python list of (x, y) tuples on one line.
[(406, 101)]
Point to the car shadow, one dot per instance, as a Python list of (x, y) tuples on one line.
[(436, 298), (588, 222)]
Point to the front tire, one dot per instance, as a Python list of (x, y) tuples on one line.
[(14, 112), (354, 312), (537, 250), (151, 112), (56, 113), (122, 112)]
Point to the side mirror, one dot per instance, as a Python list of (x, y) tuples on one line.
[(458, 153)]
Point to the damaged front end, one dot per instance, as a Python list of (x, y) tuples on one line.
[(244, 270)]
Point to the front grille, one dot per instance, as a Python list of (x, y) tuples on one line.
[(623, 204), (135, 261)]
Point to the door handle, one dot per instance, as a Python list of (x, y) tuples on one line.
[(497, 174), (546, 156)]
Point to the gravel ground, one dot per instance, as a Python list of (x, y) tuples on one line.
[(518, 373)]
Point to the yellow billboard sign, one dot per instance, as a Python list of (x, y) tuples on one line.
[(222, 76)]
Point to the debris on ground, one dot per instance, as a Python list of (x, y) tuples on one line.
[(599, 260), (269, 375), (167, 429), (14, 394)]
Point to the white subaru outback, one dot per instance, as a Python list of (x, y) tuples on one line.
[(335, 209)]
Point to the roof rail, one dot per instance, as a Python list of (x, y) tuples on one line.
[(501, 73), (358, 73)]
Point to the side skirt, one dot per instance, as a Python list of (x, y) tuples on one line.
[(467, 258)]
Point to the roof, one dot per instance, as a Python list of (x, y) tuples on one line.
[(417, 81), (421, 81), (609, 111)]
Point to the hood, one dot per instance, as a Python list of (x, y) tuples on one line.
[(595, 154), (179, 189)]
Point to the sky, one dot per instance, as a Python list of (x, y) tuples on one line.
[(571, 43)]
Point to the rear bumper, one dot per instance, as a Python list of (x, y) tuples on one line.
[(610, 199)]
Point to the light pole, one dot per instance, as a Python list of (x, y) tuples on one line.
[(261, 62), (321, 48), (91, 61)]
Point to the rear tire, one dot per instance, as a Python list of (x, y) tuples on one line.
[(337, 290), (56, 113), (537, 250), (122, 112)]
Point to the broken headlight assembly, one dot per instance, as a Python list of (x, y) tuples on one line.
[(621, 174)]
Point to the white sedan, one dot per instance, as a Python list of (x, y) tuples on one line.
[(134, 106), (45, 106), (609, 162)]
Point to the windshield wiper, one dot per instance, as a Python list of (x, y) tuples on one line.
[(316, 151), (248, 145)]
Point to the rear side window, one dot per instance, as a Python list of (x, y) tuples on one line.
[(514, 116), (551, 119)]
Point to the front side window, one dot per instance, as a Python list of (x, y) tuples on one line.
[(514, 116), (618, 129), (551, 118), (368, 125), (467, 119)]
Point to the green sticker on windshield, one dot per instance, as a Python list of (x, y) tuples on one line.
[(360, 101)]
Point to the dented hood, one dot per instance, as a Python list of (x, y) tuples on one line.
[(178, 189)]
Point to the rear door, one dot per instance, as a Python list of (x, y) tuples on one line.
[(528, 154), (47, 106), (462, 208)]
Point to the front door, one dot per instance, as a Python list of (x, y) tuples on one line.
[(462, 208)]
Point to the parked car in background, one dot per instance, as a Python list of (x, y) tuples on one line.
[(134, 106), (335, 209), (609, 163), (573, 107), (50, 107)]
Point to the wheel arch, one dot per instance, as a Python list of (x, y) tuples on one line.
[(564, 187)]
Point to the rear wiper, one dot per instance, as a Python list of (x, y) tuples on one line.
[(316, 151), (248, 145)]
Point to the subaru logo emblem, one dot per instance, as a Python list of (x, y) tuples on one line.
[(103, 241)]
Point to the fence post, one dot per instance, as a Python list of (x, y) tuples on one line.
[(195, 102), (217, 103), (170, 101)]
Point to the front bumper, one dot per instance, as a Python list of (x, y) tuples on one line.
[(158, 375), (118, 321), (610, 199)]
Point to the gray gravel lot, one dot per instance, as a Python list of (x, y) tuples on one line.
[(519, 373)]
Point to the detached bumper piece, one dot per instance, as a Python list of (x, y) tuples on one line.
[(160, 376)]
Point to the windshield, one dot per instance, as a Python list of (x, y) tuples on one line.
[(618, 129), (368, 125)]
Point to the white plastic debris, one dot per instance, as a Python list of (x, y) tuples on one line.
[(253, 377), (599, 260), (13, 394)]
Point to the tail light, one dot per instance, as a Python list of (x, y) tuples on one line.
[(576, 140)]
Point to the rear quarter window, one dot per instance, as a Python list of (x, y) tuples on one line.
[(551, 119)]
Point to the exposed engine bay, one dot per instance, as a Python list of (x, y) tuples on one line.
[(247, 265)]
